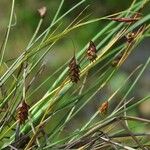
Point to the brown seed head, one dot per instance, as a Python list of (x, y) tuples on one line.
[(104, 107), (74, 70), (42, 11), (125, 20), (23, 112), (130, 37), (91, 51)]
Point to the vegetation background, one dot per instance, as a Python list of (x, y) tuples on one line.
[(25, 22)]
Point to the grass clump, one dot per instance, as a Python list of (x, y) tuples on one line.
[(49, 121)]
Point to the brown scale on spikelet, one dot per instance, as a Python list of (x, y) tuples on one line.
[(23, 112), (74, 70), (125, 20), (104, 107), (130, 37), (91, 51)]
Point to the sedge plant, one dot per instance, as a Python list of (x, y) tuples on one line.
[(48, 122)]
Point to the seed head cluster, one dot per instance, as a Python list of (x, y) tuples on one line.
[(130, 37), (91, 51), (74, 70), (104, 107), (23, 112)]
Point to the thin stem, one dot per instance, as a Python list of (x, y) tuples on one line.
[(132, 135), (8, 32), (35, 33), (117, 144)]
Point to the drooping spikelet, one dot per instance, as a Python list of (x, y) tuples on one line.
[(23, 112), (104, 107), (74, 70), (126, 20), (91, 51)]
